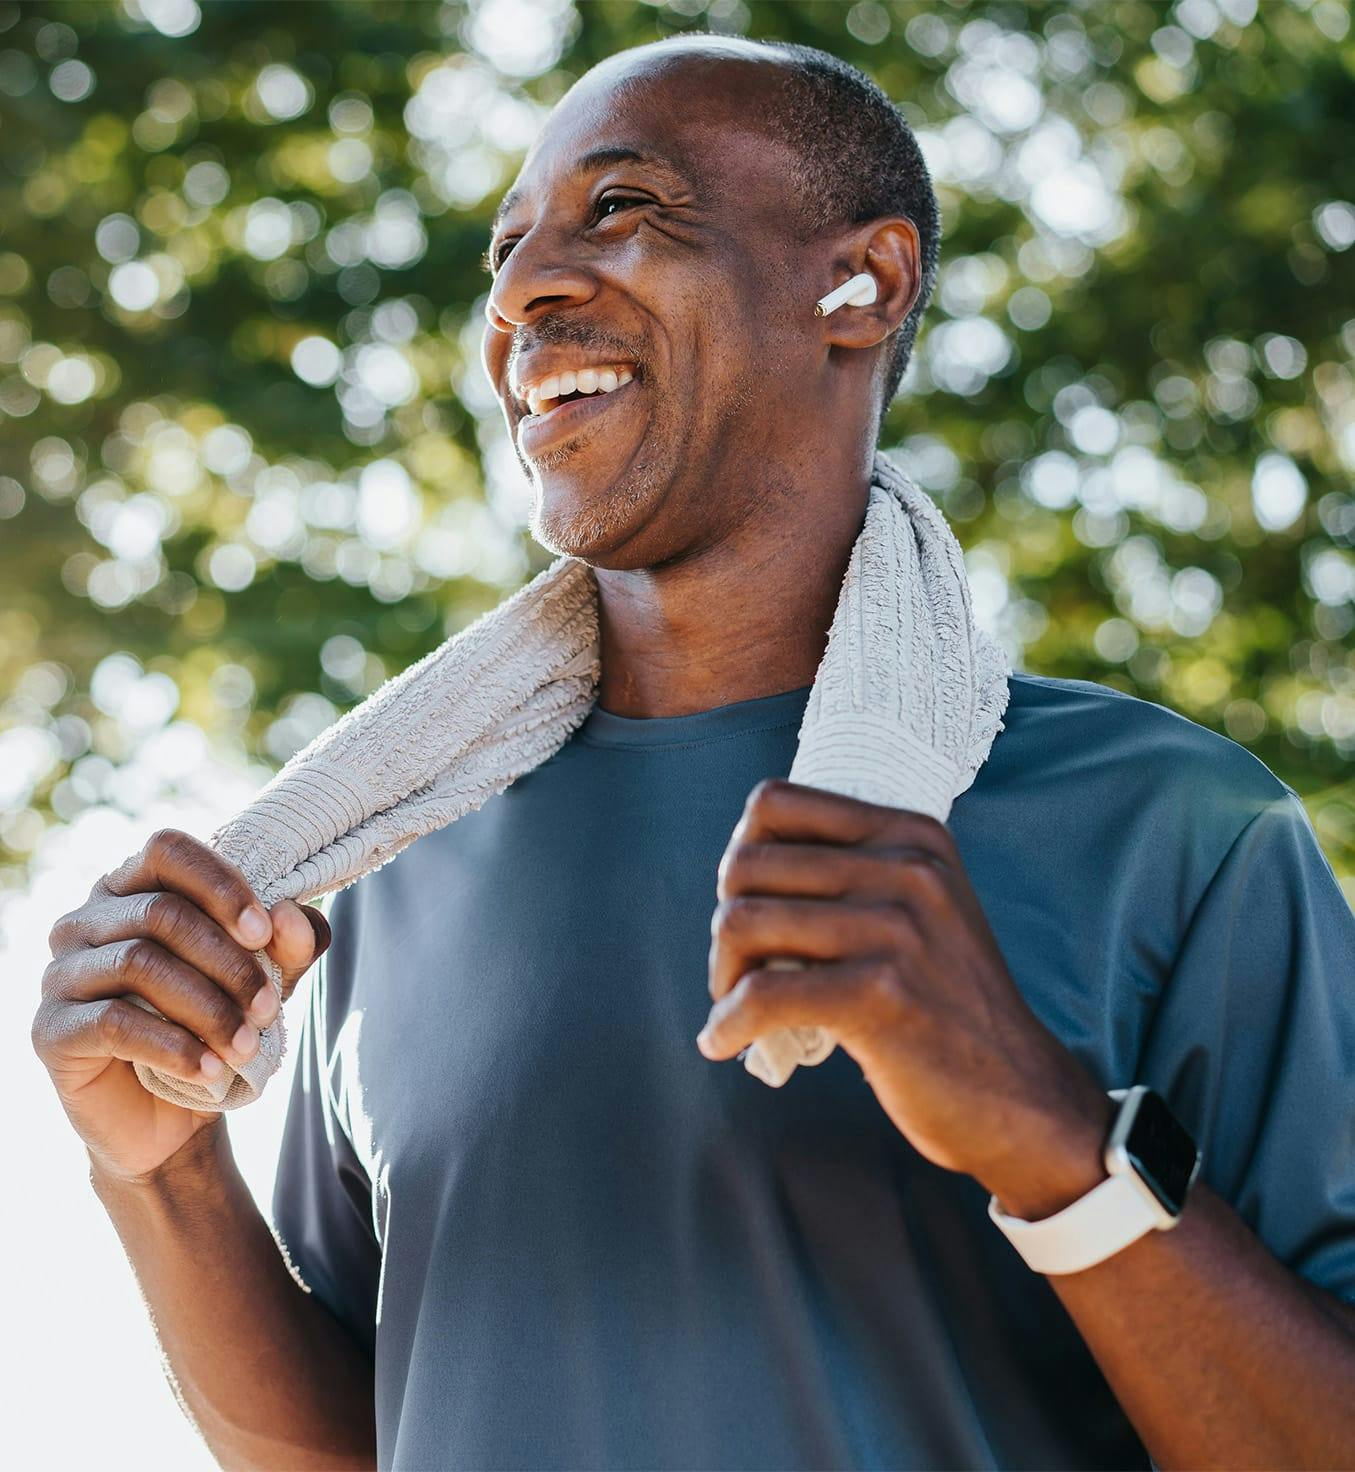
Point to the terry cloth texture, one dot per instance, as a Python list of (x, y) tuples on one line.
[(904, 709)]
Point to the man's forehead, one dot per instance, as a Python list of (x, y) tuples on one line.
[(709, 76), (683, 117)]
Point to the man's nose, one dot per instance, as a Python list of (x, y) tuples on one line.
[(537, 276)]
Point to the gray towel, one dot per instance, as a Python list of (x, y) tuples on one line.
[(905, 706)]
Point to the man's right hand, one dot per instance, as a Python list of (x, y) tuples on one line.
[(172, 924)]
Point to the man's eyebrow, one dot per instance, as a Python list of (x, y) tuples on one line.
[(597, 158)]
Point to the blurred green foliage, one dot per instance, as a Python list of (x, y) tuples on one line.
[(249, 464)]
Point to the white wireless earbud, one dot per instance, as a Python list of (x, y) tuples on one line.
[(858, 292)]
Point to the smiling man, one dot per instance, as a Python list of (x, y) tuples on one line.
[(606, 1259), (538, 1228)]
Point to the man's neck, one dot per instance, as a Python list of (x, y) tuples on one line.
[(745, 618)]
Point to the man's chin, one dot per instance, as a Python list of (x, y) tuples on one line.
[(600, 527)]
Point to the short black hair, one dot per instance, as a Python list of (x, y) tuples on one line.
[(858, 160)]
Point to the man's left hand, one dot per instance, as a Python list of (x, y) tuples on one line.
[(903, 971)]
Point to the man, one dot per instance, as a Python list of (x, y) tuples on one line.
[(537, 1227)]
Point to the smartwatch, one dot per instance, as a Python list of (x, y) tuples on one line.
[(1152, 1162)]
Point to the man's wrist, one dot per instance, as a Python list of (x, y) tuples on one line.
[(195, 1172), (1054, 1160)]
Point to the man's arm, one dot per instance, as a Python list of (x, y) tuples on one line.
[(268, 1375), (1218, 1354)]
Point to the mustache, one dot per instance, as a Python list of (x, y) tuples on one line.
[(555, 332)]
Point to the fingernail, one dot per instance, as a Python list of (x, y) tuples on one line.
[(703, 1042), (211, 1065), (254, 926), (264, 1008), (323, 934), (246, 1040)]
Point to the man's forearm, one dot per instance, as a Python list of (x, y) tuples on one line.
[(1218, 1353), (267, 1374)]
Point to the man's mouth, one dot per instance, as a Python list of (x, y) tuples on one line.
[(569, 414), (558, 387)]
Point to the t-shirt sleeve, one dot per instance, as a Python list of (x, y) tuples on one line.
[(322, 1194), (1253, 1042)]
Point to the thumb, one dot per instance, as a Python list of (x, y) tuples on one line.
[(301, 935)]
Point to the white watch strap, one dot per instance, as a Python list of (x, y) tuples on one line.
[(1096, 1226)]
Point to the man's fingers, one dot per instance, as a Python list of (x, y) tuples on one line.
[(320, 925), (113, 1027), (176, 924), (779, 810), (301, 935), (847, 999), (181, 992), (750, 928), (816, 870), (184, 864)]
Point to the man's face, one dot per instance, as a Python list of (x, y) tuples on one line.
[(676, 266)]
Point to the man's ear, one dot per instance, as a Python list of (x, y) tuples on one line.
[(889, 249)]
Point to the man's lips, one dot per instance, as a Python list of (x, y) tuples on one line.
[(537, 431)]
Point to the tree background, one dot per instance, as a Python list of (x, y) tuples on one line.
[(250, 465)]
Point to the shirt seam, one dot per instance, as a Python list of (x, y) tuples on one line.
[(1241, 838), (1273, 804), (585, 740)]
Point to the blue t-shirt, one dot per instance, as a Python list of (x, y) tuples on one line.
[(570, 1241)]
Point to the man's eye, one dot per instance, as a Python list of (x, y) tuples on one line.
[(625, 200)]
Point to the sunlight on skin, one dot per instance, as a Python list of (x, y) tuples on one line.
[(90, 1359)]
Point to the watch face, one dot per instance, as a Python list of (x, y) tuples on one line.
[(1162, 1151)]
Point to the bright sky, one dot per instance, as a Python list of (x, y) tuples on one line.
[(83, 1359)]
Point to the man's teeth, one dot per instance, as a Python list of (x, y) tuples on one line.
[(543, 397)]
